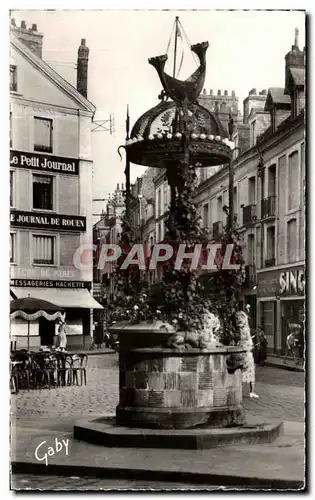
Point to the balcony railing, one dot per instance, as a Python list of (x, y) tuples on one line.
[(217, 229), (249, 214), (270, 262), (250, 271), (268, 207)]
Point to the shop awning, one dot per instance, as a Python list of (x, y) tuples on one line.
[(61, 297)]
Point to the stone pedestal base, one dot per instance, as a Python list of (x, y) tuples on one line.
[(104, 431)]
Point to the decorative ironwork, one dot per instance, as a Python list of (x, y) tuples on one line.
[(249, 214), (268, 207)]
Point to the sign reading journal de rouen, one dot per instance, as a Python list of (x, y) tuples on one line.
[(48, 163), (48, 221)]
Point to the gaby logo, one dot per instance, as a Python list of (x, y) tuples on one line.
[(42, 452), (212, 256)]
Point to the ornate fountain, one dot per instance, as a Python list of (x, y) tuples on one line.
[(170, 378)]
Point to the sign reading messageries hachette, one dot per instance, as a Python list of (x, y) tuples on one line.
[(48, 221), (44, 162), (50, 283)]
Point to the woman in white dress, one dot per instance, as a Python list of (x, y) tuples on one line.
[(62, 335), (246, 341)]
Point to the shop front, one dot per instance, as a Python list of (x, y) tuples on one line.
[(73, 297), (280, 304)]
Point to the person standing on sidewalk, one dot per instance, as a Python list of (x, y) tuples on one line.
[(62, 333), (246, 341), (262, 347)]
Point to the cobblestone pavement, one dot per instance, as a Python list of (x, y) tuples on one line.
[(36, 482), (281, 394)]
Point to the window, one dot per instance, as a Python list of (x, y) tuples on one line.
[(272, 180), (12, 247), (43, 134), (13, 78), (291, 240), (303, 196), (268, 321), (271, 243), (251, 191), (251, 249), (11, 188), (162, 230), (205, 217), (43, 249), (236, 142), (219, 208), (293, 181), (159, 202), (165, 200), (43, 192), (235, 200), (202, 171)]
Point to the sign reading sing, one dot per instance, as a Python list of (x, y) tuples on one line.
[(48, 221), (44, 162)]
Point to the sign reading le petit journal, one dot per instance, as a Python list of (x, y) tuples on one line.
[(44, 162), (48, 221)]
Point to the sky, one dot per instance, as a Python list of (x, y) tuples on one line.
[(246, 50)]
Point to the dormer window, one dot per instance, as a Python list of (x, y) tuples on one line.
[(13, 78)]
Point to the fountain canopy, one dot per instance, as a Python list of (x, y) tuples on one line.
[(157, 137)]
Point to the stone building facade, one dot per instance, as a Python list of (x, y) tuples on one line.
[(269, 201), (50, 192)]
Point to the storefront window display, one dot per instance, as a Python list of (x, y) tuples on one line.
[(292, 314)]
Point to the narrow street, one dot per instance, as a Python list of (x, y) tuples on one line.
[(281, 394), (281, 397)]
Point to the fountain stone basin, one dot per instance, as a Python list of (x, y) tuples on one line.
[(168, 388)]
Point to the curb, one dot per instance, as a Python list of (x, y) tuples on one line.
[(285, 367), (96, 353), (156, 475)]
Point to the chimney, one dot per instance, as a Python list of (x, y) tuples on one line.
[(294, 59), (252, 92), (122, 187), (211, 91), (118, 187), (82, 68), (29, 37), (219, 92), (226, 92)]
